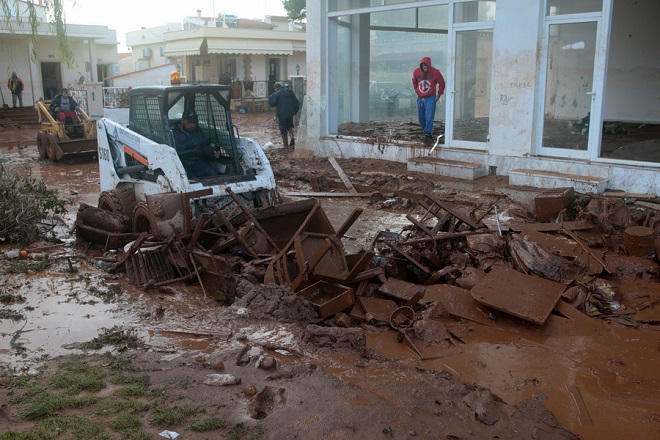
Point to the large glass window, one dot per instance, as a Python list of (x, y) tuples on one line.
[(480, 10), (397, 42), (562, 7), (345, 5)]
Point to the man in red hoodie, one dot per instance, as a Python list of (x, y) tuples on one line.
[(426, 79)]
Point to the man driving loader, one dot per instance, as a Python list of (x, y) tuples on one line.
[(63, 107), (193, 146)]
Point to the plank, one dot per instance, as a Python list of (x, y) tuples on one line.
[(344, 178), (528, 297)]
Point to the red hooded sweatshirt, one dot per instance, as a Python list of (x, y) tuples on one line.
[(425, 82)]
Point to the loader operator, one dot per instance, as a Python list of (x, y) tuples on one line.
[(64, 107), (193, 147)]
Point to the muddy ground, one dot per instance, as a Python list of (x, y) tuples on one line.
[(574, 377)]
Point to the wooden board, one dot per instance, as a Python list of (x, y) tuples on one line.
[(528, 297)]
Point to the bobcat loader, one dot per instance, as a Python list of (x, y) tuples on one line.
[(139, 161)]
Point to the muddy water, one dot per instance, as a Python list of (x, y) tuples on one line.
[(602, 382)]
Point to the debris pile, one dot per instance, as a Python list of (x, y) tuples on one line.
[(470, 266)]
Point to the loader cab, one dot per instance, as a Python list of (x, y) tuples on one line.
[(155, 112)]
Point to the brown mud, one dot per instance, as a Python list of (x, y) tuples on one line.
[(573, 376)]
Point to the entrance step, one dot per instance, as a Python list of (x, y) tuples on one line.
[(22, 117), (448, 168), (551, 179)]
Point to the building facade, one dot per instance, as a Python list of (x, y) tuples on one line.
[(534, 87), (94, 54)]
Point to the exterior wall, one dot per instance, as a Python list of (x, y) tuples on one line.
[(516, 93), (150, 77), (514, 74)]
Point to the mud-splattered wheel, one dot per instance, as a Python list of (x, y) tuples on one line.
[(120, 200), (42, 145), (141, 219), (51, 146)]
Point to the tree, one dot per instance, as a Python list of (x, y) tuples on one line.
[(11, 11), (296, 9)]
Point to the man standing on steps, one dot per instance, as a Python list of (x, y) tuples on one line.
[(15, 85), (287, 106), (426, 79)]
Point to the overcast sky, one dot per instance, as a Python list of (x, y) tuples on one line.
[(131, 15)]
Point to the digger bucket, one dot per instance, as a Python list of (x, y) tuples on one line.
[(78, 149)]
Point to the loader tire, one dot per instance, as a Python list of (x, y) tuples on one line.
[(141, 219), (42, 145), (120, 200), (51, 142)]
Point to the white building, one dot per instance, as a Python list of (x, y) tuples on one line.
[(551, 93), (94, 54)]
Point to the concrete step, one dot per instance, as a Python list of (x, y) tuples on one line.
[(24, 116), (448, 168), (551, 179)]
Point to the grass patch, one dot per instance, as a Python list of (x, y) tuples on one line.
[(134, 391), (43, 405), (85, 428), (240, 432), (75, 375), (208, 424), (25, 266), (116, 406), (113, 336), (125, 423), (171, 416), (119, 378)]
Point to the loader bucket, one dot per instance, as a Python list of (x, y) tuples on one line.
[(78, 149)]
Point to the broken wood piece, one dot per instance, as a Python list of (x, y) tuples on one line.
[(456, 214), (377, 310), (441, 273), (408, 257), (627, 195), (587, 249), (528, 297), (232, 230), (131, 250), (459, 303), (408, 293), (344, 178), (327, 194), (327, 298), (198, 230), (349, 222), (444, 236), (248, 212)]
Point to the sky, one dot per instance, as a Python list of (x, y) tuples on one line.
[(131, 15)]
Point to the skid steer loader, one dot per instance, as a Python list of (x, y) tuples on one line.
[(139, 166), (65, 140)]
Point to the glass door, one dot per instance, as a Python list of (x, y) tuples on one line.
[(470, 106), (571, 104)]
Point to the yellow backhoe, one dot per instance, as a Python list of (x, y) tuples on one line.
[(65, 140)]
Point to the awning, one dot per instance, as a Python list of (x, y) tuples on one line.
[(257, 46), (180, 48)]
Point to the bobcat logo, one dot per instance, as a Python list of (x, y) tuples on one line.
[(424, 86)]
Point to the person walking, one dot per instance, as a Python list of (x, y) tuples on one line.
[(427, 80), (287, 105), (16, 86)]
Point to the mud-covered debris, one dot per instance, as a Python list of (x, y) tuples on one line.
[(483, 403), (331, 339), (273, 301)]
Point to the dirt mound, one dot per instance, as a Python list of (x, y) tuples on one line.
[(271, 301)]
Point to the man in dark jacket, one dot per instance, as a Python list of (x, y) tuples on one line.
[(287, 106), (426, 79), (193, 147), (16, 86), (64, 107)]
